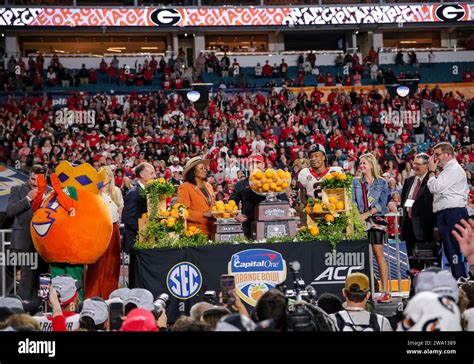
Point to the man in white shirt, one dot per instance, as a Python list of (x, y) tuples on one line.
[(355, 317), (450, 191)]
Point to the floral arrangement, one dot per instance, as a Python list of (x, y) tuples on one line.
[(337, 180), (154, 191)]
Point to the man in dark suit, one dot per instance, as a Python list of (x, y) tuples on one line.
[(135, 205), (418, 220), (20, 208), (243, 193)]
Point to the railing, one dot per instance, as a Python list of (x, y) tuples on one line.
[(4, 242)]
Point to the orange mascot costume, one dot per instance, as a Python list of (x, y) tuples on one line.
[(72, 225)]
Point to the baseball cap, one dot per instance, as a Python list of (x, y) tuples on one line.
[(13, 303), (95, 308), (66, 287), (438, 281), (139, 319), (256, 157), (119, 293), (316, 148), (357, 282), (175, 159), (140, 297)]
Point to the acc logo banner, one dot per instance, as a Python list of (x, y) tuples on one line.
[(256, 271), (165, 17), (184, 280)]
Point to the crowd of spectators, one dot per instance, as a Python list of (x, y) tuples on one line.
[(174, 73), (166, 131), (35, 75), (436, 303)]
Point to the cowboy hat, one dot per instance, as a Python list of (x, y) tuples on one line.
[(193, 162)]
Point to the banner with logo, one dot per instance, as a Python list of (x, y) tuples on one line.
[(186, 274), (238, 16)]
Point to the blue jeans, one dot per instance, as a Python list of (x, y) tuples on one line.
[(446, 219)]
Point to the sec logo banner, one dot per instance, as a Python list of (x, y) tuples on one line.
[(256, 271), (184, 280)]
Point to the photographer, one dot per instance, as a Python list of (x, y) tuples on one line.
[(355, 317)]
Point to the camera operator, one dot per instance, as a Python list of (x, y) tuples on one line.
[(355, 317), (302, 311), (143, 299)]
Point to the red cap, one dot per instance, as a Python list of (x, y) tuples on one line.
[(139, 319), (256, 157)]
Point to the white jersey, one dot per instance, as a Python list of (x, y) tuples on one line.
[(310, 180), (46, 323)]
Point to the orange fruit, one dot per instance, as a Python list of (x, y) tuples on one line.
[(332, 199), (273, 186), (314, 230), (285, 185), (258, 175), (308, 209), (341, 177), (340, 205), (335, 174), (329, 218), (331, 206), (226, 215), (317, 208), (265, 187), (328, 177)]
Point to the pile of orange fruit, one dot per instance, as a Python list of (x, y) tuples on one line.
[(270, 181), (223, 210), (335, 204)]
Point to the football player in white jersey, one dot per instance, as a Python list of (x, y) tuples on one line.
[(310, 178)]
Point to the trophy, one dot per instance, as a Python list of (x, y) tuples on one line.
[(272, 217)]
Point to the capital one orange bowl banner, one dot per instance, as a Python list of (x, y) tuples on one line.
[(237, 17)]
